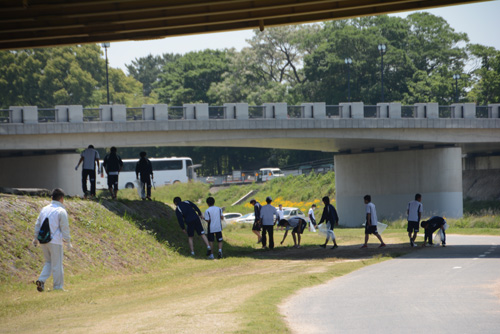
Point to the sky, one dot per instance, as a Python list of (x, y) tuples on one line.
[(479, 20)]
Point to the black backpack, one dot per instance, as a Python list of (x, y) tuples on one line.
[(44, 234)]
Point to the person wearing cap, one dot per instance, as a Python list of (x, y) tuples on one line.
[(268, 216), (256, 223), (432, 225), (89, 157), (297, 225), (331, 218)]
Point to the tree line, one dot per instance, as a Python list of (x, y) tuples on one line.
[(293, 64)]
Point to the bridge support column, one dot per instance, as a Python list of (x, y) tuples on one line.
[(463, 110), (25, 114), (352, 110), (314, 110), (275, 110), (236, 110), (113, 113), (494, 111), (393, 178), (42, 171)]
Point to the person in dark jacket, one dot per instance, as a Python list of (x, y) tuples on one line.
[(256, 223), (432, 225), (113, 165), (189, 215), (331, 218), (144, 169)]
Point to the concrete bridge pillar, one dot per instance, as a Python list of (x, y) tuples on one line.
[(494, 111), (427, 110), (393, 178), (236, 110), (42, 171), (275, 110), (113, 113), (197, 111), (389, 110), (70, 114), (155, 112), (463, 110), (314, 110), (24, 114), (352, 110)]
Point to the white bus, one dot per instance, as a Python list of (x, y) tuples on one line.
[(165, 171)]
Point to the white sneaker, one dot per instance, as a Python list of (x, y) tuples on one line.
[(211, 257)]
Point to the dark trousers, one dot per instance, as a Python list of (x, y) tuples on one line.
[(145, 182), (268, 229), (429, 232), (90, 173)]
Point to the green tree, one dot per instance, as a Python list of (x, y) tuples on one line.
[(187, 79), (485, 74)]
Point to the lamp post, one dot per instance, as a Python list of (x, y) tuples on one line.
[(456, 77), (106, 46), (382, 48), (348, 61)]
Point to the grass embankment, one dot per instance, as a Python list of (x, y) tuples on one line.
[(130, 269)]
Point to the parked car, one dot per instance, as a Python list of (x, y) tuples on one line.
[(293, 212), (210, 179), (248, 218), (231, 216)]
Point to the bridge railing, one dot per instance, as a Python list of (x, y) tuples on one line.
[(5, 115), (163, 112)]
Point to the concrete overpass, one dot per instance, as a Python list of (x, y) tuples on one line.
[(389, 151)]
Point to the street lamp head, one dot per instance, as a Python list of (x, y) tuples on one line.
[(105, 45), (456, 76), (382, 48), (348, 61)]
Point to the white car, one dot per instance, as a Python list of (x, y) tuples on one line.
[(293, 212), (249, 218), (231, 217)]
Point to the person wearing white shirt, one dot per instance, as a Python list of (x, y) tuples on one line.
[(214, 217), (414, 212), (267, 216), (312, 218), (297, 225), (53, 250), (89, 157), (371, 222), (281, 215)]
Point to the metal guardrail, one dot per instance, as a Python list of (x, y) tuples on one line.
[(46, 115), (216, 112), (256, 111)]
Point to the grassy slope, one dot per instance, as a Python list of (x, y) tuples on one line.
[(130, 270)]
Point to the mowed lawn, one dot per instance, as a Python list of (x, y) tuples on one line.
[(238, 294)]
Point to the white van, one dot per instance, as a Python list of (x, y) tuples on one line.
[(268, 173), (165, 171)]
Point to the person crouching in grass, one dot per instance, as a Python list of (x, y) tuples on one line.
[(297, 225)]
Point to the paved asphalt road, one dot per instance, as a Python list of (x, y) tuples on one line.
[(455, 289)]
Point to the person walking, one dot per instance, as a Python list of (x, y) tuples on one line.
[(214, 217), (331, 218), (371, 222), (144, 173), (268, 215), (113, 165), (89, 157), (312, 218), (189, 215), (297, 225), (414, 212), (256, 227), (59, 233)]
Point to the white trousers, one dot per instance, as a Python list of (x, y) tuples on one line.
[(53, 255)]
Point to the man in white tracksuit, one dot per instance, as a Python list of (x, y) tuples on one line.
[(53, 250)]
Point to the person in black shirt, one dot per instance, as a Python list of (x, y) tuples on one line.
[(256, 223), (432, 225), (113, 165), (331, 218), (144, 169)]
